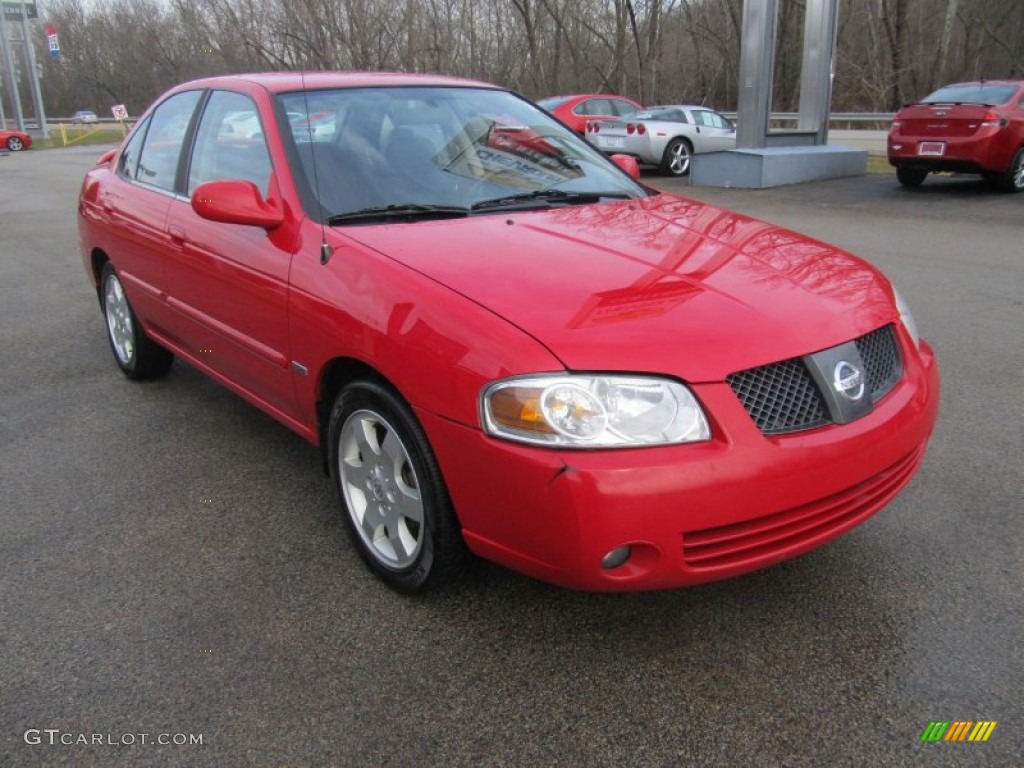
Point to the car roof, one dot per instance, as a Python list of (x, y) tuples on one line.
[(281, 82), (570, 97)]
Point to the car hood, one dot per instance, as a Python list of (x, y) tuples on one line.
[(660, 284)]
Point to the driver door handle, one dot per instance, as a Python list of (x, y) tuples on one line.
[(177, 235)]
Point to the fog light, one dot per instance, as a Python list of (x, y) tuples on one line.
[(616, 557)]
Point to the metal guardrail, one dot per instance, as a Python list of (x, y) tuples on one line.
[(858, 119)]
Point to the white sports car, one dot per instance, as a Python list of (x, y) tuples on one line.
[(666, 136)]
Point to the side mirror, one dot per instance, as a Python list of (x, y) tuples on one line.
[(627, 163), (235, 202)]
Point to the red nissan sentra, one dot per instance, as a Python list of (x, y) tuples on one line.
[(502, 343)]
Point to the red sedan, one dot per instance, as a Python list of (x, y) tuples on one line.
[(965, 128), (15, 141), (575, 111), (501, 342)]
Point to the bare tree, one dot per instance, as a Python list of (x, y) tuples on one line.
[(889, 51)]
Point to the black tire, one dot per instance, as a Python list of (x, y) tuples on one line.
[(138, 356), (1012, 180), (675, 161), (386, 476), (15, 144), (910, 177)]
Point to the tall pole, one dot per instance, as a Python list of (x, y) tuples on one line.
[(12, 86), (33, 78), (3, 115)]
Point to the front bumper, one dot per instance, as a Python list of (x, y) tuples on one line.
[(691, 513)]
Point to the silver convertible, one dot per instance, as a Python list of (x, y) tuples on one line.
[(666, 136)]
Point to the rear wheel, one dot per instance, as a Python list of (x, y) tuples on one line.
[(395, 503), (910, 177), (15, 144), (138, 356), (1012, 180), (676, 159)]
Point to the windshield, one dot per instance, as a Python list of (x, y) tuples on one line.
[(372, 148), (973, 93)]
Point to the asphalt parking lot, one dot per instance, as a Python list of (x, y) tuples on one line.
[(173, 564)]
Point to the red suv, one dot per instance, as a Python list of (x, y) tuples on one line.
[(965, 128)]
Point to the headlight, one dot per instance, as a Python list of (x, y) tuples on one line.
[(590, 411), (906, 318)]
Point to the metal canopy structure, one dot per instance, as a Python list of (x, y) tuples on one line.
[(767, 158), (757, 65)]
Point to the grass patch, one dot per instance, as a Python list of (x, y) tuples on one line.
[(879, 164), (76, 137)]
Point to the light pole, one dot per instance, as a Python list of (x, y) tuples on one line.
[(12, 86), (33, 76)]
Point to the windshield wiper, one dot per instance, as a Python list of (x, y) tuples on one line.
[(407, 211), (545, 197)]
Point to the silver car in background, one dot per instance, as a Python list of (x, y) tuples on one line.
[(665, 136)]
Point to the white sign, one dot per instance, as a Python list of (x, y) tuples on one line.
[(120, 113)]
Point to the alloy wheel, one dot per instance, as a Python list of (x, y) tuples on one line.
[(680, 159), (119, 320), (381, 489)]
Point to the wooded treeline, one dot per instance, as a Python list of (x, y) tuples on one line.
[(889, 51)]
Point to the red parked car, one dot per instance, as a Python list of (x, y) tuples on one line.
[(15, 141), (576, 110), (501, 342), (965, 128)]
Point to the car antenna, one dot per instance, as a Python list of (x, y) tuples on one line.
[(326, 251)]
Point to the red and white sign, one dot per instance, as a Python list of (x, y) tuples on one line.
[(120, 113), (51, 39)]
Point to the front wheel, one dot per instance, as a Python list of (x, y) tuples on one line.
[(910, 177), (15, 144), (395, 504), (676, 159), (1012, 180), (138, 356)]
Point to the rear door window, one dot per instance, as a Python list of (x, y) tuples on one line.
[(622, 107), (161, 151), (597, 107)]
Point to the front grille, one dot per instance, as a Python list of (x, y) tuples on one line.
[(769, 537), (881, 358), (783, 397)]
